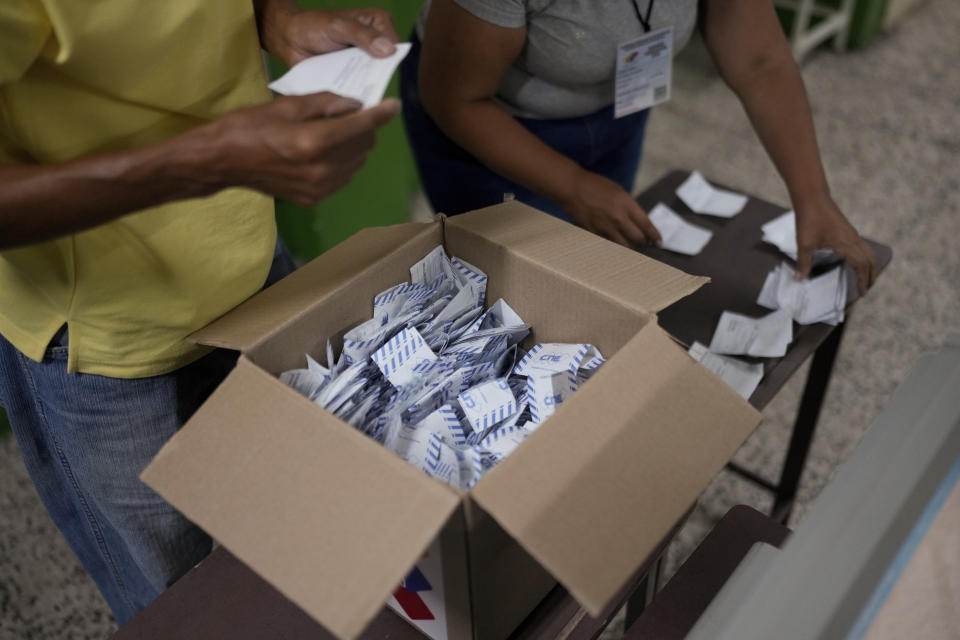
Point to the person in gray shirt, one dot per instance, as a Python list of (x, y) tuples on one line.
[(514, 99)]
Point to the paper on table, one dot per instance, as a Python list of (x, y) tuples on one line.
[(819, 299), (766, 337), (741, 376), (781, 232), (702, 197), (352, 73), (678, 234)]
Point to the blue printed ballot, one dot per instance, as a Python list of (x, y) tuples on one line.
[(440, 380)]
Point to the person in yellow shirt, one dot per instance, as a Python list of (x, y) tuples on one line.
[(139, 150)]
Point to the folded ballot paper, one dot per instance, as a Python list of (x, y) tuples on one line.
[(678, 235), (781, 232), (819, 299), (439, 379), (704, 198), (743, 377), (351, 72)]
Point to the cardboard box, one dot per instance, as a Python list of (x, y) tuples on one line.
[(335, 521)]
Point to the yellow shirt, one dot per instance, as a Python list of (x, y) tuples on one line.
[(78, 78)]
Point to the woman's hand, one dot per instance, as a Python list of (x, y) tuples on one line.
[(600, 205), (821, 225)]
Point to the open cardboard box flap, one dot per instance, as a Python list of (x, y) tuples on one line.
[(267, 312), (592, 493), (328, 516), (629, 277)]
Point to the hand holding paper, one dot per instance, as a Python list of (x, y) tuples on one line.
[(352, 73)]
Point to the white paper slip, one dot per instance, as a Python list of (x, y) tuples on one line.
[(399, 357), (741, 376), (819, 299), (766, 337), (352, 73), (704, 198), (488, 404), (781, 232), (678, 234)]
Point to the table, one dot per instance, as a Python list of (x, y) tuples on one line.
[(679, 605), (737, 261), (222, 598)]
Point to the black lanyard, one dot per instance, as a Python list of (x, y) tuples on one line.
[(644, 21)]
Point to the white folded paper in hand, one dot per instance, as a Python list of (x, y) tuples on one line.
[(440, 381), (704, 198), (741, 376), (781, 232), (819, 299), (766, 337), (352, 73), (678, 235)]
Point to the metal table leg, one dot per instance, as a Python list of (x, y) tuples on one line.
[(805, 425)]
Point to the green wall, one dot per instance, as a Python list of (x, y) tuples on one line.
[(380, 192)]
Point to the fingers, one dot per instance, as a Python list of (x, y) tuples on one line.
[(379, 19), (865, 265), (804, 262), (641, 221), (314, 105), (362, 28), (359, 123)]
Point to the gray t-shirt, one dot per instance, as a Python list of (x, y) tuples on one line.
[(567, 67)]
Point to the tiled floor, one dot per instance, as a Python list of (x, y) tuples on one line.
[(889, 128)]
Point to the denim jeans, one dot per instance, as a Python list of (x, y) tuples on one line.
[(455, 182), (85, 439)]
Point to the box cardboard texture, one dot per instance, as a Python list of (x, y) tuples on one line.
[(335, 521)]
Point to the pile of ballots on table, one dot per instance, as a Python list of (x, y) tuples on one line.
[(818, 299), (439, 379)]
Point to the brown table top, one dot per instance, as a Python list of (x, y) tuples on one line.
[(737, 261)]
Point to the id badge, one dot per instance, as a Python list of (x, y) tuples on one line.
[(644, 68)]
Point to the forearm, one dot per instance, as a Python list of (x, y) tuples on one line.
[(272, 16), (777, 105), (38, 203), (497, 140)]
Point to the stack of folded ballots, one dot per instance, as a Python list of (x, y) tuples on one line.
[(440, 380), (819, 299)]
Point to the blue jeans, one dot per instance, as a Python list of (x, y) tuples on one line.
[(455, 182), (85, 439)]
